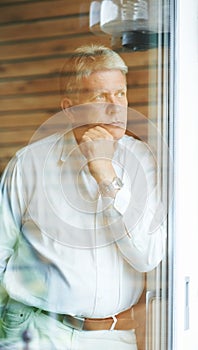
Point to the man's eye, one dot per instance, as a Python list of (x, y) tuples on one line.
[(121, 94), (99, 97)]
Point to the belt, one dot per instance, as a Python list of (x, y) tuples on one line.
[(122, 321)]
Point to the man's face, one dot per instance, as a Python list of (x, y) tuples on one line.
[(104, 94)]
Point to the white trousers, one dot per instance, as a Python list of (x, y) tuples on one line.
[(50, 334)]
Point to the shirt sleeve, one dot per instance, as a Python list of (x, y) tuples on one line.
[(137, 216), (9, 220)]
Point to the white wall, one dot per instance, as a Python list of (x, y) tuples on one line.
[(186, 174)]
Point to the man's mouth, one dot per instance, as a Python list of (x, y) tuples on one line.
[(117, 124)]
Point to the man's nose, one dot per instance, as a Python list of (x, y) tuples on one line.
[(112, 108), (111, 98)]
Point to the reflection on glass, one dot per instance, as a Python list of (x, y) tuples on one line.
[(85, 206)]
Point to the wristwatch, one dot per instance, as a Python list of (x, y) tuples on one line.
[(109, 188)]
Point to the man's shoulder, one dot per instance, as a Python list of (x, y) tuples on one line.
[(129, 140), (39, 144), (135, 145)]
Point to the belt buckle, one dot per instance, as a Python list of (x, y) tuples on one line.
[(74, 322)]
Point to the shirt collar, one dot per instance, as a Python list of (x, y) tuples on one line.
[(70, 145)]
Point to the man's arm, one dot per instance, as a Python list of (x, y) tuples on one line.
[(142, 224), (134, 212), (9, 214)]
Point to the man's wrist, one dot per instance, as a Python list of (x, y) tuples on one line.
[(110, 188), (101, 170)]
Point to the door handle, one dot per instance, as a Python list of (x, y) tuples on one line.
[(153, 319)]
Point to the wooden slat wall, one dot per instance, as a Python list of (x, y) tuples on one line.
[(35, 38)]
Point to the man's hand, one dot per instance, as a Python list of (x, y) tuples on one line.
[(98, 146)]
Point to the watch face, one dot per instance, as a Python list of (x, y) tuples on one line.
[(117, 183), (109, 188)]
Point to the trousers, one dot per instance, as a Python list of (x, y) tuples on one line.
[(22, 324)]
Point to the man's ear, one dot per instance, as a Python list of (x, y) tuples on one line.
[(66, 103)]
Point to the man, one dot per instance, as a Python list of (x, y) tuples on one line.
[(80, 219)]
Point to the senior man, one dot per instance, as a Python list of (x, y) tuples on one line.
[(80, 219)]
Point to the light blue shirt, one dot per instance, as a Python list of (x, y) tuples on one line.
[(66, 249)]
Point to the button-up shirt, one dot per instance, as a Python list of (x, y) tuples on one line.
[(64, 247)]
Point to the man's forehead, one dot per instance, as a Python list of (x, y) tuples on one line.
[(101, 75), (102, 82), (104, 90)]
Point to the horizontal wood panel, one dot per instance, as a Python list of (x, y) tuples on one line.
[(49, 47), (31, 69), (42, 9), (30, 103), (14, 136), (44, 29), (6, 2), (27, 119), (45, 47), (30, 86)]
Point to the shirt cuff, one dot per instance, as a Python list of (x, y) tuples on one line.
[(119, 204)]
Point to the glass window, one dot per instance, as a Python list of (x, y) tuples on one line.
[(37, 39)]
